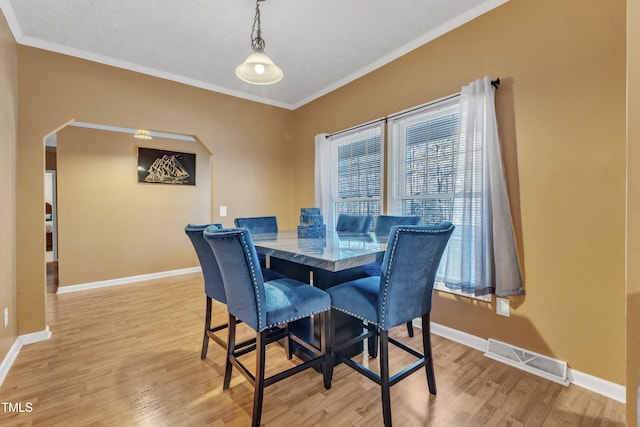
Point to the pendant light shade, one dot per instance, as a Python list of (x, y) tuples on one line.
[(258, 68)]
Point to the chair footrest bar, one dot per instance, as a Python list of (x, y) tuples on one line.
[(293, 370), (312, 348), (360, 368), (250, 345), (353, 341), (407, 371), (406, 348)]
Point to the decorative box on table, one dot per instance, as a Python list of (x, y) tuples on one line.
[(311, 224)]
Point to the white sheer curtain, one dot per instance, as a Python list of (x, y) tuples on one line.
[(323, 178), (485, 243)]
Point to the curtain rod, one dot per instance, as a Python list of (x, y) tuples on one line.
[(495, 83), (382, 119)]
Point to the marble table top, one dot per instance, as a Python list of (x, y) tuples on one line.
[(335, 252)]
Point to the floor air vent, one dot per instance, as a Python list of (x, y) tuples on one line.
[(551, 369)]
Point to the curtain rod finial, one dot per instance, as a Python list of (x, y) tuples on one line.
[(495, 83)]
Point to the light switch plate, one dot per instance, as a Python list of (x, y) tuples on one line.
[(223, 211)]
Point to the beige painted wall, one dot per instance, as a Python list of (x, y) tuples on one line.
[(8, 140), (250, 145), (633, 210), (110, 226), (561, 108)]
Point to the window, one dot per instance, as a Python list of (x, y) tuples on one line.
[(425, 155), (422, 163), (358, 157), (444, 164)]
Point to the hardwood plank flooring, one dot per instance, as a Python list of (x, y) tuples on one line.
[(130, 356)]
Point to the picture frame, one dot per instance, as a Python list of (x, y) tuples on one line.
[(166, 167)]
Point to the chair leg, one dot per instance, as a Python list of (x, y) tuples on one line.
[(207, 326), (261, 339), (325, 345), (372, 342), (231, 346), (428, 355), (410, 328), (384, 377), (288, 346)]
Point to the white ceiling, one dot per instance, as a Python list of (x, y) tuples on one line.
[(320, 45)]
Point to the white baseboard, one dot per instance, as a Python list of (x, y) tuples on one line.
[(597, 385), (125, 280), (9, 359), (11, 356)]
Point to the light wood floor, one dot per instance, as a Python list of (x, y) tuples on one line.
[(130, 356)]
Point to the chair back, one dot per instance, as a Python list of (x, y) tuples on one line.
[(259, 224), (213, 286), (354, 223), (385, 222), (241, 274), (408, 271)]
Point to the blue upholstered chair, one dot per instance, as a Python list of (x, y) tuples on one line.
[(382, 229), (213, 287), (402, 293), (262, 306), (258, 225), (385, 222), (354, 223)]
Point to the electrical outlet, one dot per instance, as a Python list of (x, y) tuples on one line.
[(223, 211), (502, 307), (6, 317)]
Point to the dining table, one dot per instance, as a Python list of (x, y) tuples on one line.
[(322, 262)]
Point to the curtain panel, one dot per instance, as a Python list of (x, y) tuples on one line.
[(323, 187), (486, 241)]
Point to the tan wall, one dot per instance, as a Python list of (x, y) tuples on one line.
[(110, 226), (561, 108), (8, 140), (250, 145), (633, 210)]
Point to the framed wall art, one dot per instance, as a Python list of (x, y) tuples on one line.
[(166, 167)]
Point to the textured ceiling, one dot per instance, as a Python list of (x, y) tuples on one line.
[(320, 45)]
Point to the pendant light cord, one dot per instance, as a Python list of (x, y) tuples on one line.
[(257, 42)]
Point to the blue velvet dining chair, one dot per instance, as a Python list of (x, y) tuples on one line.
[(403, 292), (385, 222), (354, 223), (259, 225), (382, 229), (262, 306), (213, 287)]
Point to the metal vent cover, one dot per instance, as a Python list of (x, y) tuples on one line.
[(544, 366)]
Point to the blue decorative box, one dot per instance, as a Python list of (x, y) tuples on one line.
[(311, 224)]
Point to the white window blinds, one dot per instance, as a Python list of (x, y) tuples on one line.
[(358, 177), (422, 161)]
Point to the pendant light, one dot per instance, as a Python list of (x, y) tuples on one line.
[(258, 68), (142, 134)]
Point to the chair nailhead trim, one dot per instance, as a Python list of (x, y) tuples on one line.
[(254, 280), (391, 258), (297, 318)]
